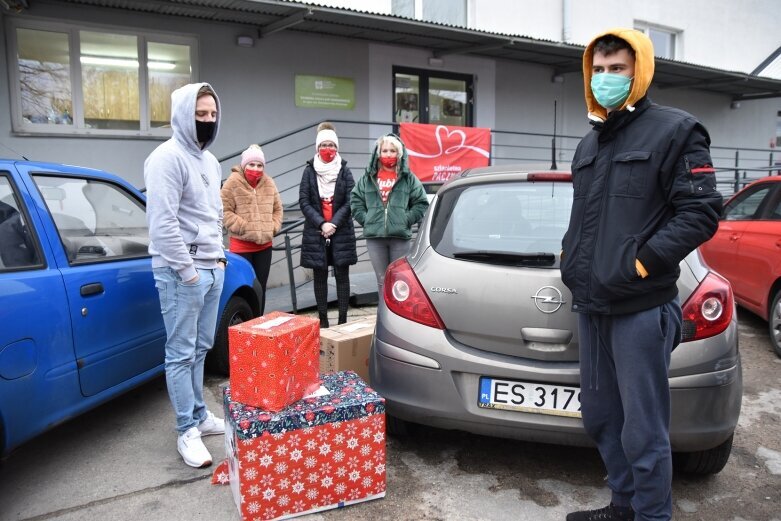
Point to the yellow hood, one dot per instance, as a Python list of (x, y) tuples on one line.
[(644, 70)]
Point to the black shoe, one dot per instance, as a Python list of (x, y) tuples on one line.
[(608, 513), (324, 323)]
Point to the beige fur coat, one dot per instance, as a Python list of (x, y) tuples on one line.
[(251, 214)]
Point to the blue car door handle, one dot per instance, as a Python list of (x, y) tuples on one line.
[(94, 288)]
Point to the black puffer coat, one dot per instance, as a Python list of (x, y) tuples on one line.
[(313, 252)]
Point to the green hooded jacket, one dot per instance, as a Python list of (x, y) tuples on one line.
[(407, 202)]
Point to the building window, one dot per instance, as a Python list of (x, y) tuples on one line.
[(778, 130), (72, 80), (450, 12), (664, 39)]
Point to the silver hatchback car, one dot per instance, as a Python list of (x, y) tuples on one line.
[(475, 332)]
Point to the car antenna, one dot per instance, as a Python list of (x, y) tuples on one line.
[(553, 165), (14, 151)]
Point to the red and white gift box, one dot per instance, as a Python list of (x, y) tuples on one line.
[(323, 452), (274, 360)]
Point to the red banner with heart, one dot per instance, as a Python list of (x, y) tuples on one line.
[(439, 152)]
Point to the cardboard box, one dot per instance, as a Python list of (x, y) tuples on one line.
[(346, 347), (274, 360), (323, 452)]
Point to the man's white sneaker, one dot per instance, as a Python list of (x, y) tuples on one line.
[(211, 425), (192, 449)]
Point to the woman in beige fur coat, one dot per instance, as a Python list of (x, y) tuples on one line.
[(252, 212)]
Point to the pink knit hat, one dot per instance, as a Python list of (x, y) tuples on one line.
[(253, 153)]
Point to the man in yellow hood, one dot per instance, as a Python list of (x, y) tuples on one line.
[(645, 197)]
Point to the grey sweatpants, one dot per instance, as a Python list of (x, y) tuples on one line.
[(625, 402), (384, 251)]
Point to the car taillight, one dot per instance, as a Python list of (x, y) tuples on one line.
[(405, 296), (708, 311)]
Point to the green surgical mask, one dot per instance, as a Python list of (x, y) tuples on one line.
[(610, 90)]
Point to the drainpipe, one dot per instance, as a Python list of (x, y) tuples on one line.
[(566, 34)]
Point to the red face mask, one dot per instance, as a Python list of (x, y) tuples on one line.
[(253, 176), (388, 162), (327, 154)]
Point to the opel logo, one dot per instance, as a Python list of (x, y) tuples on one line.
[(548, 299)]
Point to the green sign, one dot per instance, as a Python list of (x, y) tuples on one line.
[(325, 92)]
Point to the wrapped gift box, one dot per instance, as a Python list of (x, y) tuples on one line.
[(346, 347), (325, 451), (274, 360)]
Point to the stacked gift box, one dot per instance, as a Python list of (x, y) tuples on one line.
[(296, 444)]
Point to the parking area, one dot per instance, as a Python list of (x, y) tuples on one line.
[(119, 462)]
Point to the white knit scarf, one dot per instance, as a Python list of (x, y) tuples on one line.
[(326, 175)]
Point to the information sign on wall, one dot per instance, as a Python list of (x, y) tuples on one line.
[(325, 92)]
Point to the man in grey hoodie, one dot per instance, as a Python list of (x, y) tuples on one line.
[(184, 214)]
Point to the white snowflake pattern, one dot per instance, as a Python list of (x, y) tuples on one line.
[(298, 487), (298, 506), (311, 494), (294, 440), (265, 460), (354, 494), (250, 474), (281, 450), (363, 419), (253, 508), (379, 437), (340, 488), (310, 445), (366, 450), (354, 475), (325, 449), (339, 439), (253, 490), (366, 432), (338, 456), (313, 477), (296, 454), (248, 442), (341, 472), (267, 480), (284, 483), (283, 501), (250, 456), (367, 482), (310, 462), (327, 481), (307, 430), (296, 474), (352, 462), (379, 486), (277, 436), (268, 494), (264, 446), (323, 435), (325, 468), (379, 469), (379, 456), (351, 429), (377, 421), (367, 465), (281, 467), (270, 513), (352, 443)]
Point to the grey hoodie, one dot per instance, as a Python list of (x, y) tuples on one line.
[(184, 209)]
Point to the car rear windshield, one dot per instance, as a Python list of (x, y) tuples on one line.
[(511, 223)]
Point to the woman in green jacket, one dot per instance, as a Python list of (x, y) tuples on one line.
[(387, 201)]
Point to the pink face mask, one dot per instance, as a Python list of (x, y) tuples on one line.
[(327, 154)]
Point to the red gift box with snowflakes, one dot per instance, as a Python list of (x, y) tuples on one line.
[(325, 451), (274, 359)]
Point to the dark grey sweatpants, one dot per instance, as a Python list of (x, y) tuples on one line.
[(625, 401)]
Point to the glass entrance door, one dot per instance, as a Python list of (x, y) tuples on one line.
[(432, 97)]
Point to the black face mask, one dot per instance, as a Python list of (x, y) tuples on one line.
[(205, 130)]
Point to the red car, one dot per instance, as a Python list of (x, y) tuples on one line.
[(747, 251)]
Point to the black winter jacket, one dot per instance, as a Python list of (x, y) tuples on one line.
[(313, 253), (644, 189)]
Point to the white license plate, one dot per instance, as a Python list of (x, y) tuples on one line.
[(538, 398)]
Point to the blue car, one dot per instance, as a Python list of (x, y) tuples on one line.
[(80, 318)]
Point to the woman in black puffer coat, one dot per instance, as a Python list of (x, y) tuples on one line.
[(329, 236)]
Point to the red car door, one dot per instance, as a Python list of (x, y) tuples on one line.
[(759, 251), (721, 251)]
